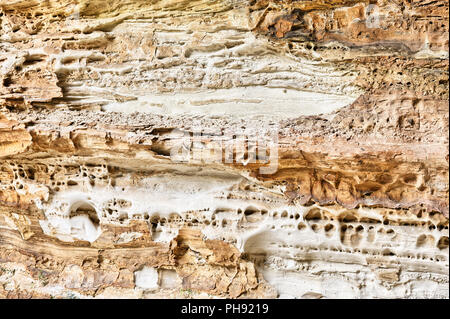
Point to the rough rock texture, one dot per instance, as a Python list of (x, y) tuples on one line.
[(346, 102)]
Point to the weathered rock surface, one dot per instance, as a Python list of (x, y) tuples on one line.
[(345, 101)]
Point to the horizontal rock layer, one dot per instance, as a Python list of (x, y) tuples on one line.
[(243, 149)]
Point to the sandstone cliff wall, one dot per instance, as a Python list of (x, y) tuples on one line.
[(348, 101)]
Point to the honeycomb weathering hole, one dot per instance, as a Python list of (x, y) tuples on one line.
[(86, 209), (443, 242), (84, 222)]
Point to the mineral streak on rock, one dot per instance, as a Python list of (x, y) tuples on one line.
[(96, 94)]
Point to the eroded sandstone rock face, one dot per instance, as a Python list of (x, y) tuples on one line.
[(229, 148)]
